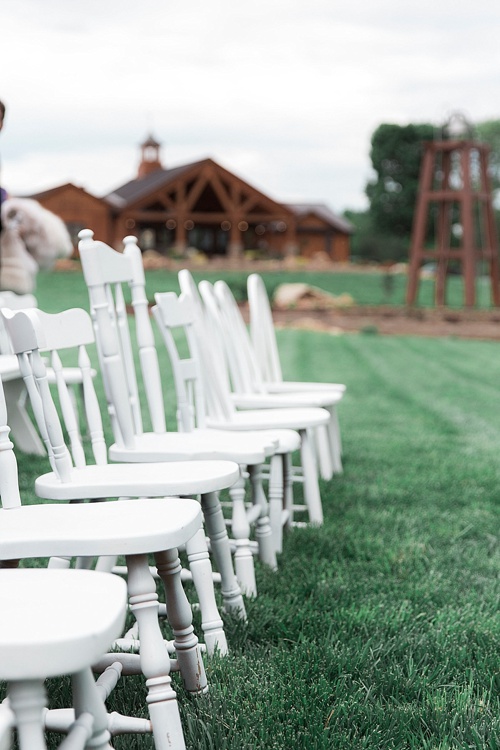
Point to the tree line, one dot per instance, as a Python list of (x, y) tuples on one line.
[(382, 232)]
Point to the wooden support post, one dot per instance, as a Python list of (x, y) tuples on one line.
[(419, 224), (454, 179), (235, 247), (468, 243)]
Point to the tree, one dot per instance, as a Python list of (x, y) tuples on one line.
[(384, 230), (489, 132), (396, 153), (368, 244)]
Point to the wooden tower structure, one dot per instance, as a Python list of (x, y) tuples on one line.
[(454, 223), (150, 157)]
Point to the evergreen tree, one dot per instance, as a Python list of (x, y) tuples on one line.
[(396, 154)]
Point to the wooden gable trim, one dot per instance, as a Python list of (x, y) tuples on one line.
[(237, 200), (158, 196), (221, 192), (69, 187), (192, 196), (255, 198), (165, 199), (241, 195), (177, 185), (209, 176), (246, 195)]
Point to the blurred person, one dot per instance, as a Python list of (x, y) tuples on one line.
[(3, 193), (31, 237)]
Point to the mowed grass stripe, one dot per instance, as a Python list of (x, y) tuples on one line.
[(381, 628)]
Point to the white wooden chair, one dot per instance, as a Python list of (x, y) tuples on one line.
[(79, 613), (212, 357), (267, 358), (250, 391), (14, 302), (191, 374), (224, 415), (75, 479), (105, 271), (72, 375), (134, 528)]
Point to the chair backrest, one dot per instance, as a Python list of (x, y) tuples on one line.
[(219, 334), (106, 273), (173, 315), (198, 387), (262, 331), (245, 375), (34, 333), (13, 301), (188, 287), (211, 351), (9, 478)]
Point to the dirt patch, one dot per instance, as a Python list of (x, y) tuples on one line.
[(471, 324), (388, 320)]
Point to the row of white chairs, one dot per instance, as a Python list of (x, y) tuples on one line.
[(231, 422), (150, 518)]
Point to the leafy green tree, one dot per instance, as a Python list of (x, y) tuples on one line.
[(489, 132), (396, 154), (369, 244), (383, 232)]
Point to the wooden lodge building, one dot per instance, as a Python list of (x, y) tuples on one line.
[(202, 206)]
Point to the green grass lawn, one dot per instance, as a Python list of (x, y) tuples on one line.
[(381, 629), (57, 290)]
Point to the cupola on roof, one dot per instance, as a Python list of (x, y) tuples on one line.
[(150, 142), (150, 157)]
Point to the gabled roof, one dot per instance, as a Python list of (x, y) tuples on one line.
[(67, 186), (150, 141), (323, 212), (136, 189), (139, 189)]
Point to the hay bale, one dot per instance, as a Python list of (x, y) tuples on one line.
[(307, 297)]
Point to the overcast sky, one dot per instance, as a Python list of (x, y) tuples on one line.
[(286, 94)]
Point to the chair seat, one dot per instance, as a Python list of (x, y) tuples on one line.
[(122, 527), (267, 419), (79, 613), (286, 400), (160, 479), (197, 445), (287, 440), (299, 386)]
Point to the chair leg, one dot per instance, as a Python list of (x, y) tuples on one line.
[(288, 489), (311, 486), (263, 532), (59, 562), (201, 571), (105, 564), (219, 541), (86, 699), (27, 701), (155, 661), (240, 528), (180, 618), (276, 498), (335, 440), (324, 451)]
